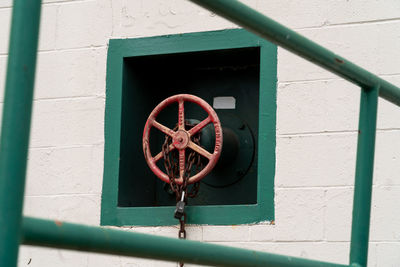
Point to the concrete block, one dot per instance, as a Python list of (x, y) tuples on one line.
[(6, 3), (299, 214), (387, 158), (3, 69), (388, 113), (388, 254), (336, 252), (171, 15), (71, 73), (67, 122), (100, 66), (47, 33), (84, 24), (59, 1), (74, 170), (372, 256), (83, 209), (338, 216), (317, 106), (1, 113), (262, 232), (351, 42), (138, 262), (267, 247), (331, 252), (150, 18), (322, 14), (102, 260), (226, 233), (296, 15), (5, 21), (315, 160), (385, 218), (37, 257), (293, 68), (192, 232), (340, 12)]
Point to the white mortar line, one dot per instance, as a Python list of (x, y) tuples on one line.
[(66, 98), (337, 78), (66, 195), (352, 23), (327, 133), (328, 187), (83, 48), (66, 146)]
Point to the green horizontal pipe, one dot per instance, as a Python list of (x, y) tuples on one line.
[(16, 124), (57, 234), (364, 174), (269, 29)]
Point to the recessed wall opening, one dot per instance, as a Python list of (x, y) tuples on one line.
[(234, 71), (147, 80)]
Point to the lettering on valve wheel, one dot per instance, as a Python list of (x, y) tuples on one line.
[(217, 137), (180, 114), (181, 159)]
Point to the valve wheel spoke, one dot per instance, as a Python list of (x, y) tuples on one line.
[(163, 128), (181, 115), (199, 126), (161, 154), (200, 150), (182, 163)]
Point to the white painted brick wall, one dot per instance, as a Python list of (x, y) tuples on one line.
[(316, 124)]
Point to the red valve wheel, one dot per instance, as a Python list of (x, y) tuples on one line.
[(181, 139)]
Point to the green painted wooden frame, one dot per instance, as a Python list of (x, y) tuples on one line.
[(119, 49)]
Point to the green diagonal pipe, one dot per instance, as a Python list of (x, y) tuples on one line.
[(95, 239), (273, 31)]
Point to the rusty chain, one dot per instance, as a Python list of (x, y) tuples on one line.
[(171, 166)]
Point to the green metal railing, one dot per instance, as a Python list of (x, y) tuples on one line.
[(16, 229)]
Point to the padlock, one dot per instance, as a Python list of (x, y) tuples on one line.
[(180, 207)]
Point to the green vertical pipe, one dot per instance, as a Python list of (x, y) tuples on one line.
[(16, 124), (364, 174)]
